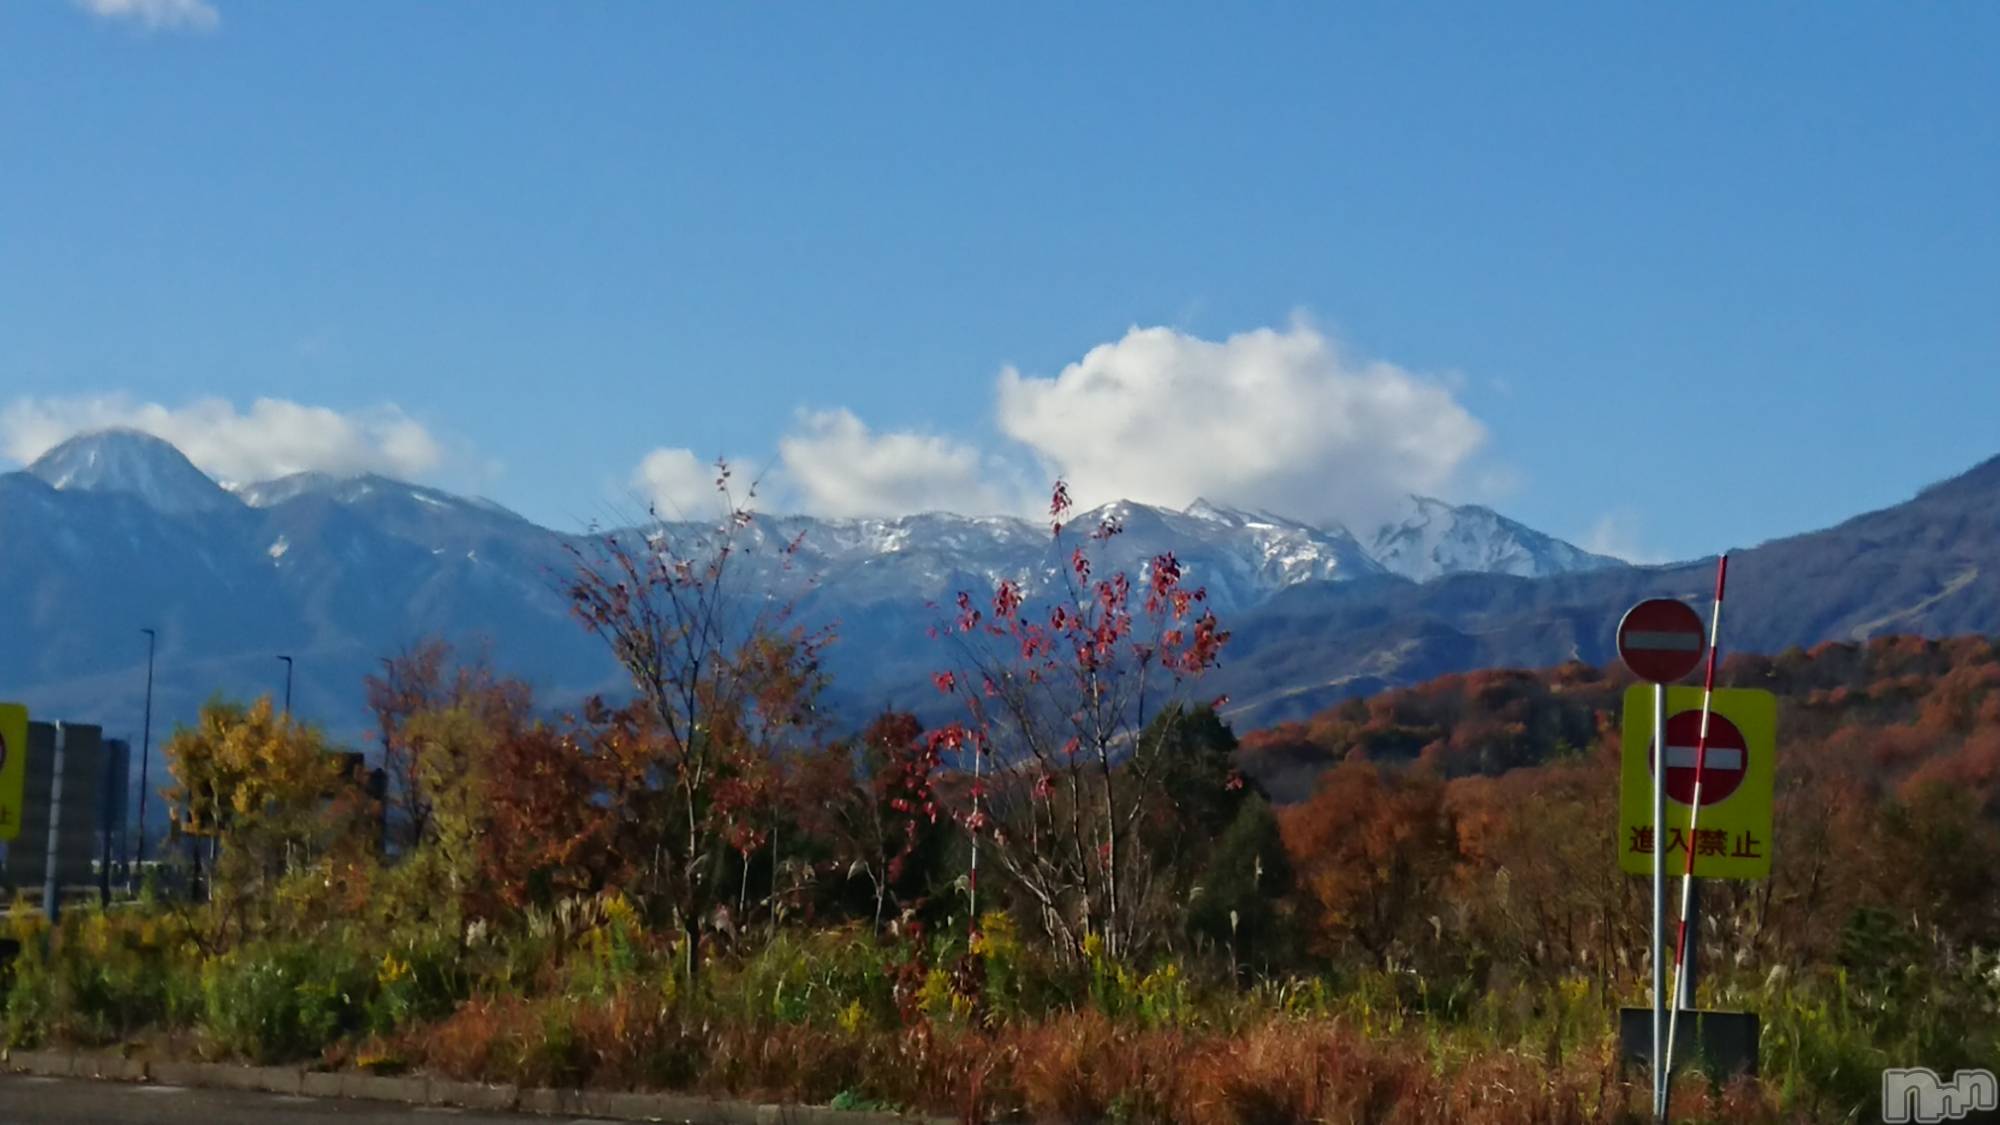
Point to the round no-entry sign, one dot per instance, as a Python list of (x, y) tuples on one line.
[(1728, 758), (1660, 640)]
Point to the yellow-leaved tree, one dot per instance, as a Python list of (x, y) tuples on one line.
[(262, 796)]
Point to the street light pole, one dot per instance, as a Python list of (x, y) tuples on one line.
[(389, 685), (288, 685), (146, 744)]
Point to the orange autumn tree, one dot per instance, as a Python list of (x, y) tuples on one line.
[(415, 689), (723, 684), (1056, 698), (1372, 850), (550, 799)]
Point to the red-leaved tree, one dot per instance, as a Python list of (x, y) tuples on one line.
[(1057, 701), (886, 829)]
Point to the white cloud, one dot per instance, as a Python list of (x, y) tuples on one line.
[(835, 466), (1617, 534), (273, 438), (680, 485), (194, 15), (1272, 418), (1276, 419)]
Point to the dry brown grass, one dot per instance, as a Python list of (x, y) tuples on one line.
[(1073, 1068)]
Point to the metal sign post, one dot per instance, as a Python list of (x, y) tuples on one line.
[(1659, 900), (1660, 640), (1694, 812)]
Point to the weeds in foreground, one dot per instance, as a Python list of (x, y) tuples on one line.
[(986, 1028)]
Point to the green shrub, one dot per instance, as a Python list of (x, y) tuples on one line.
[(1828, 1035), (31, 989), (610, 955), (1160, 997), (553, 1054), (1023, 981), (417, 985), (282, 1002), (816, 979), (100, 977)]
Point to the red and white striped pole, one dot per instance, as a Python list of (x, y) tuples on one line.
[(1694, 819)]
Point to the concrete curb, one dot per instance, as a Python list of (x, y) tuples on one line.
[(117, 1068), (42, 1064), (424, 1090), (473, 1095), (408, 1089)]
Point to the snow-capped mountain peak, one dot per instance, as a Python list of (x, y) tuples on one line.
[(266, 493), (1204, 509), (135, 463), (1242, 555), (346, 569), (1429, 539), (361, 488)]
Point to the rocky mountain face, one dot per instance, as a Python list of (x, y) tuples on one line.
[(1927, 566), (1431, 539), (134, 464), (115, 531)]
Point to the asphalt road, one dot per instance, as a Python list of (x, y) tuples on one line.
[(62, 1101)]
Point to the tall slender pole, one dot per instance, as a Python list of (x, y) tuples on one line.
[(1690, 962), (106, 803), (388, 682), (288, 685), (51, 890), (1659, 900), (145, 746), (1694, 806)]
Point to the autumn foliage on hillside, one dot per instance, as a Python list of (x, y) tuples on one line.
[(1464, 830), (1914, 709), (1079, 898)]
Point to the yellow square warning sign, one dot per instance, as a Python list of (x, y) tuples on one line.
[(13, 766), (1732, 836)]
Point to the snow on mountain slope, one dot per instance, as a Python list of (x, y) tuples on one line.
[(1430, 539), (131, 462), (1241, 557), (343, 571), (360, 488)]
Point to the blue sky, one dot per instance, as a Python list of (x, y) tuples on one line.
[(1666, 281)]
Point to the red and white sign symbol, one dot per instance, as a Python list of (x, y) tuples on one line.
[(1660, 639), (1728, 758)]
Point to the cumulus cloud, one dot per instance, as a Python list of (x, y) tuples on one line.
[(275, 437), (834, 465), (1617, 534), (191, 15), (1280, 419), (680, 485)]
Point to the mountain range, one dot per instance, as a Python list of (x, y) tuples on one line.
[(114, 531)]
